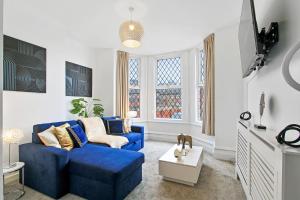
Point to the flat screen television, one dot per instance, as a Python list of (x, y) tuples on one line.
[(254, 45)]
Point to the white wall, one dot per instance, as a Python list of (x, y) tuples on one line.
[(282, 101), (228, 90), (106, 83), (22, 109)]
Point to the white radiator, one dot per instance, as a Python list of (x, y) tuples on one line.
[(261, 177), (267, 170), (242, 156)]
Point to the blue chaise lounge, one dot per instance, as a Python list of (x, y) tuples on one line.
[(94, 171)]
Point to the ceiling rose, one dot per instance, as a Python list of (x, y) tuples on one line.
[(131, 32)]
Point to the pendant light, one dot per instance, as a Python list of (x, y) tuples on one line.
[(131, 32)]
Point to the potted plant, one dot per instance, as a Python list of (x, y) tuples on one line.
[(87, 108)]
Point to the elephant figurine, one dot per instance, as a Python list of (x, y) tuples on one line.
[(189, 139), (183, 139)]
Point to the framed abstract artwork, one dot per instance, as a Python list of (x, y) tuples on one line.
[(24, 66), (79, 80)]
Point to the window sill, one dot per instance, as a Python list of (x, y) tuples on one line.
[(197, 123), (170, 121), (138, 120), (162, 121)]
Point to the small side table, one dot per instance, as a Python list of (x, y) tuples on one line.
[(18, 167)]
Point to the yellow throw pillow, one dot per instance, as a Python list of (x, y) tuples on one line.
[(48, 138), (63, 137)]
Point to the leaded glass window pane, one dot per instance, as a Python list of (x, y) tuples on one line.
[(168, 72), (168, 103), (134, 85), (200, 102), (200, 85), (133, 72), (168, 88), (201, 67), (134, 101)]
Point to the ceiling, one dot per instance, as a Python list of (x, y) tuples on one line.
[(169, 25)]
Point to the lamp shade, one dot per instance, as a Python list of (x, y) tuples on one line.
[(131, 114), (131, 33), (12, 136)]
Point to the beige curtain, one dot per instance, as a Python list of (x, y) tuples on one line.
[(122, 104), (208, 126)]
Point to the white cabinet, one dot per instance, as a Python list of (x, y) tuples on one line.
[(267, 170)]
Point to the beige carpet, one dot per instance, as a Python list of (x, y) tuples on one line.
[(216, 181)]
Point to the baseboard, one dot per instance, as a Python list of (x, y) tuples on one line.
[(169, 137), (13, 177), (146, 136), (223, 153)]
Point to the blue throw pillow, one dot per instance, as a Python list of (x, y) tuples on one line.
[(115, 126), (78, 135), (105, 121)]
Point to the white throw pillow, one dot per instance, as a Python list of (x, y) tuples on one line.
[(94, 127), (48, 138)]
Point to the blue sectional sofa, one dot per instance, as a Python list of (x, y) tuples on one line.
[(94, 171)]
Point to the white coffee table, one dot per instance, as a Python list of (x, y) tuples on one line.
[(186, 170)]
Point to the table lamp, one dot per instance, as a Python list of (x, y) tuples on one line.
[(128, 123), (12, 136), (131, 114)]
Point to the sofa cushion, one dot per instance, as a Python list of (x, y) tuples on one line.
[(41, 127), (78, 135), (48, 138), (115, 126), (103, 163), (63, 137), (105, 119), (133, 137)]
